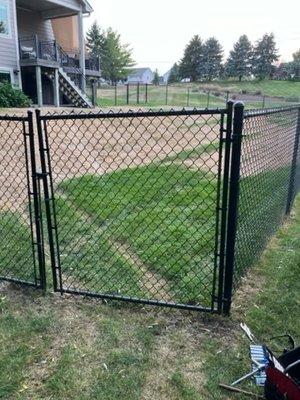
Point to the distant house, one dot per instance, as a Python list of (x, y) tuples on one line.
[(166, 76), (141, 75)]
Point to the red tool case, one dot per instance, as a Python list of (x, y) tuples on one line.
[(283, 376)]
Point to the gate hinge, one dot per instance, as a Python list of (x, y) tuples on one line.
[(41, 175), (227, 140)]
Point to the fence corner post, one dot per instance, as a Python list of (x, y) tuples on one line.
[(232, 216), (291, 189)]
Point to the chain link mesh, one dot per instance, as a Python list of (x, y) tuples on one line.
[(269, 180), (135, 199), (17, 261)]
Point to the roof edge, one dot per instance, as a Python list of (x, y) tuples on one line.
[(88, 7)]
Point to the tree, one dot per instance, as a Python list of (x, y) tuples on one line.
[(115, 57), (174, 74), (264, 56), (239, 62), (155, 80), (192, 58), (211, 64), (296, 56), (95, 39), (296, 65), (289, 70)]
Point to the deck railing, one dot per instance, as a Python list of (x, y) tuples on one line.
[(32, 48)]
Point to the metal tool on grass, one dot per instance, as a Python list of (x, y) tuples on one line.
[(244, 392)]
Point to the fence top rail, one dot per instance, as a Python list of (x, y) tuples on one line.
[(269, 111), (130, 114), (13, 118)]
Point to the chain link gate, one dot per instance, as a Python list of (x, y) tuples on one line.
[(164, 208), (133, 204), (22, 247)]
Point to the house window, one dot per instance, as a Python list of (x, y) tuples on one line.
[(4, 19), (5, 76)]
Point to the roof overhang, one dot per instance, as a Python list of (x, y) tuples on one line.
[(50, 9)]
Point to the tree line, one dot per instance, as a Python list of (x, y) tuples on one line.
[(203, 61)]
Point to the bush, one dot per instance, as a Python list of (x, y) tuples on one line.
[(11, 97)]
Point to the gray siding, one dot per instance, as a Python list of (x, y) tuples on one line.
[(8, 52), (30, 23)]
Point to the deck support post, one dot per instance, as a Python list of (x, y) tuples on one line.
[(81, 41), (39, 86), (56, 88)]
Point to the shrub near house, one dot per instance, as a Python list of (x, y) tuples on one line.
[(11, 97)]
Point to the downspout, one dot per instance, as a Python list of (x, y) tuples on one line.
[(16, 32)]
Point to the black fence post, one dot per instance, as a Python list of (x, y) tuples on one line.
[(37, 206), (127, 94), (94, 93), (227, 96), (116, 95), (188, 97), (138, 93), (167, 94), (44, 174), (146, 93), (208, 99), (291, 191), (224, 199), (232, 216)]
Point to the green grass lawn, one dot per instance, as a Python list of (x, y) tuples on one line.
[(165, 214), (149, 232), (278, 93), (267, 87), (15, 248), (53, 348), (157, 97)]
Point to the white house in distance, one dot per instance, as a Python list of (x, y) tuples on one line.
[(166, 77), (141, 75)]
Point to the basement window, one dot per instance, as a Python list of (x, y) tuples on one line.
[(5, 76), (5, 28)]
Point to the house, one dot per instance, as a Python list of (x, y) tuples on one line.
[(141, 75), (42, 50), (166, 76)]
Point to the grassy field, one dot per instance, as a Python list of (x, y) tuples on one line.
[(255, 94), (54, 348), (163, 214), (149, 231), (267, 87)]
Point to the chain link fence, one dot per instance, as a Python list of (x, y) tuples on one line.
[(269, 180), (257, 95), (164, 208)]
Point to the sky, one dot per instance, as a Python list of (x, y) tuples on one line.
[(158, 30)]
